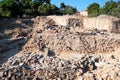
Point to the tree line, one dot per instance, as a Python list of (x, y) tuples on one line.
[(17, 8), (110, 8)]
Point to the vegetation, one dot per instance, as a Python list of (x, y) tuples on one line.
[(69, 10), (110, 8), (16, 8), (94, 9)]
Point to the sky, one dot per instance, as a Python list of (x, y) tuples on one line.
[(79, 4)]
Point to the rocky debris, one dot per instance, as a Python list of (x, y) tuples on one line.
[(13, 28), (39, 66), (17, 32), (67, 40), (51, 51), (72, 22), (42, 23)]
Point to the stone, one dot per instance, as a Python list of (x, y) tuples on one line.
[(13, 78), (1, 73), (21, 64), (15, 62)]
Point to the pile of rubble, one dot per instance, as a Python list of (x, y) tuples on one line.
[(63, 39), (50, 50), (45, 65)]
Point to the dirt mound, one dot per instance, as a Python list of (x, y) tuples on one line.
[(63, 39), (57, 47)]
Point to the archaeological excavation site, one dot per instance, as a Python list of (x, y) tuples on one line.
[(69, 47)]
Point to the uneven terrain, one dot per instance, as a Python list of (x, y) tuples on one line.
[(59, 48)]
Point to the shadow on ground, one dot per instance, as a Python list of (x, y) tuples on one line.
[(12, 37)]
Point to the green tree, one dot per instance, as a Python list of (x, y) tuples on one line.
[(53, 9), (93, 9), (47, 1), (26, 6), (44, 9), (109, 7), (47, 9), (116, 11), (69, 10), (62, 5), (34, 6), (14, 8), (9, 8)]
